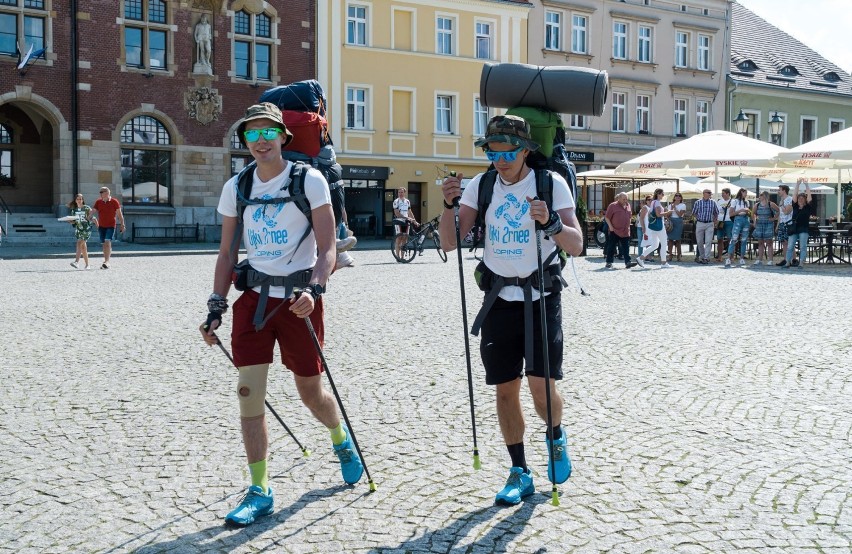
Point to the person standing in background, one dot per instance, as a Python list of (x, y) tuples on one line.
[(617, 217), (764, 227), (82, 228), (678, 209), (109, 213), (705, 211)]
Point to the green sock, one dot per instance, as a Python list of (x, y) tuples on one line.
[(338, 435), (259, 475)]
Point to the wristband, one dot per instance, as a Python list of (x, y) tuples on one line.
[(217, 303), (448, 206), (554, 225)]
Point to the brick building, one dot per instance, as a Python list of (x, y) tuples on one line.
[(147, 109)]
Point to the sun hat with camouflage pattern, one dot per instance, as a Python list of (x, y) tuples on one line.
[(510, 129)]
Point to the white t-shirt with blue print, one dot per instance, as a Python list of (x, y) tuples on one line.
[(509, 242), (271, 232)]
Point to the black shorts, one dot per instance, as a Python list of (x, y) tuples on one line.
[(502, 344)]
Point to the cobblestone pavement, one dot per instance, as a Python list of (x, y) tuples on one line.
[(707, 410)]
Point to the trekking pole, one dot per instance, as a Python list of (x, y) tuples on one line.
[(476, 463), (554, 493), (339, 401), (305, 451)]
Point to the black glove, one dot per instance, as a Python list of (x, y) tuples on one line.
[(211, 317)]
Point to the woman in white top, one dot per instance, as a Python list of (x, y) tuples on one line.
[(653, 230), (740, 213), (678, 209)]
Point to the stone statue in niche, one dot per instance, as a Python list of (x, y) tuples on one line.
[(203, 46)]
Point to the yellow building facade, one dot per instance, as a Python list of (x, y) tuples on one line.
[(402, 80)]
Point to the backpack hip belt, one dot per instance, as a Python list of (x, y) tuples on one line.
[(255, 278), (555, 284)]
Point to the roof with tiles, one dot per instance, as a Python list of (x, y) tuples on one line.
[(763, 54)]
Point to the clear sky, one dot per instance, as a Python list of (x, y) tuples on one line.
[(823, 25)]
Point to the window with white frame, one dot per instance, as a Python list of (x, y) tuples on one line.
[(146, 162), (552, 30), (702, 116), (577, 121), (809, 127), (356, 25), (23, 22), (480, 117), (253, 46), (483, 40), (704, 52), (835, 125), (146, 34), (444, 116), (644, 50), (680, 117), (619, 110), (619, 40), (643, 114), (445, 36), (681, 49), (579, 27), (356, 108)]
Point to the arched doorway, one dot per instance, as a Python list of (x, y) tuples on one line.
[(27, 153)]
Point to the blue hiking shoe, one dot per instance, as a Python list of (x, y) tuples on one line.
[(561, 461), (518, 486), (350, 464), (253, 505)]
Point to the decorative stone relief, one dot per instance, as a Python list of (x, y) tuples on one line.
[(203, 104)]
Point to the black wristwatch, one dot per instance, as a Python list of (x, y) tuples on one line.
[(314, 290)]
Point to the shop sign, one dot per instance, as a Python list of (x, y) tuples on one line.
[(365, 172), (584, 157)]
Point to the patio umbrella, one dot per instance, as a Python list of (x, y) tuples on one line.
[(751, 183), (831, 152), (714, 153), (671, 186), (721, 181)]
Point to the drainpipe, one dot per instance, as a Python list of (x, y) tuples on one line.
[(75, 155)]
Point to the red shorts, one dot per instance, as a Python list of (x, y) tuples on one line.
[(298, 352)]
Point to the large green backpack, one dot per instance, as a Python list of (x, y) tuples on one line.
[(544, 126)]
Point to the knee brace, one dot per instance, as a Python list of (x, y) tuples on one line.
[(251, 390)]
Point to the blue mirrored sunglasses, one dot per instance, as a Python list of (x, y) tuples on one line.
[(509, 156), (254, 134)]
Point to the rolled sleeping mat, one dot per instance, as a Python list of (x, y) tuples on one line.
[(561, 89)]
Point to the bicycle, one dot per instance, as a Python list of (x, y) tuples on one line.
[(414, 245)]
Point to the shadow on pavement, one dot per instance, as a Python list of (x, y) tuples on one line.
[(496, 540), (209, 538)]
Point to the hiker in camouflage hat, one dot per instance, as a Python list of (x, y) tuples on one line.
[(521, 202)]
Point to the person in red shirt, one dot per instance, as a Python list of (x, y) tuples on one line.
[(617, 218), (108, 210)]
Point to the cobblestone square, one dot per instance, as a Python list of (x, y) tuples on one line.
[(707, 411)]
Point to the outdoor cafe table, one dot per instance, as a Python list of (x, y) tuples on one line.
[(829, 242)]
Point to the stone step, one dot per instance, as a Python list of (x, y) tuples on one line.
[(38, 229)]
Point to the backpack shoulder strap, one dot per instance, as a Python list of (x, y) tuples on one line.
[(296, 188), (245, 180), (486, 191), (544, 186)]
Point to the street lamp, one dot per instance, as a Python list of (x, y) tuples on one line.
[(741, 123), (776, 128)]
